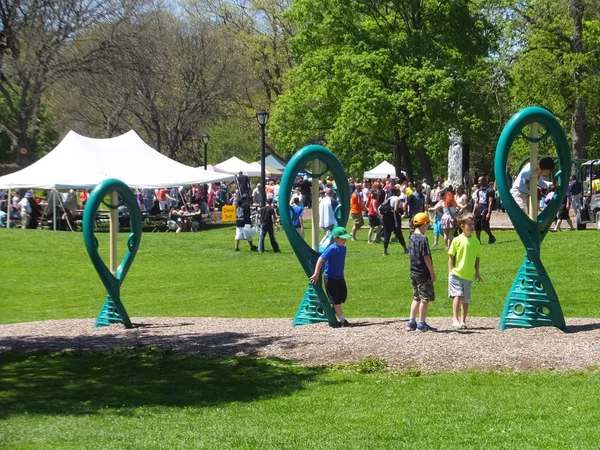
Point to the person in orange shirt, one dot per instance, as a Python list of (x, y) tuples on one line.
[(83, 197), (357, 207)]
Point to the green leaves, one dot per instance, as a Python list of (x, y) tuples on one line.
[(373, 75)]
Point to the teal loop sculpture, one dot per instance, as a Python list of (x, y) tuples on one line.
[(532, 300), (315, 305), (113, 310)]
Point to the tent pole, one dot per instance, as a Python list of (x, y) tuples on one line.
[(315, 206), (54, 199), (114, 222), (8, 205), (62, 205)]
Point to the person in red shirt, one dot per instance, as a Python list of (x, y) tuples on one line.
[(83, 197), (373, 215), (356, 209)]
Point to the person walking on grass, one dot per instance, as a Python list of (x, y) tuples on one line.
[(422, 274), (356, 209), (268, 217), (484, 204), (464, 257), (243, 224), (334, 260), (563, 214), (374, 220)]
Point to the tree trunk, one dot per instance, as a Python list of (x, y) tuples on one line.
[(426, 171), (466, 157), (579, 129), (397, 153), (402, 149)]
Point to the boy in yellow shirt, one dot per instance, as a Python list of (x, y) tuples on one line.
[(464, 255)]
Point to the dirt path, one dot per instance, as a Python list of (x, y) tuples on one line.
[(482, 346)]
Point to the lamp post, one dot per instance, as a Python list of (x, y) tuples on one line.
[(205, 139), (262, 117)]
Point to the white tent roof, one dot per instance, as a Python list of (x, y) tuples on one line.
[(235, 165), (82, 162), (381, 171)]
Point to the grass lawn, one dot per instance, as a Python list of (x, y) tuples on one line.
[(150, 399), (48, 275)]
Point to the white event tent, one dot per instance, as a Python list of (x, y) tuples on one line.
[(80, 162), (235, 165), (381, 171)]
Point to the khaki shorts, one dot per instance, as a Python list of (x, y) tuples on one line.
[(358, 220), (521, 199), (24, 219)]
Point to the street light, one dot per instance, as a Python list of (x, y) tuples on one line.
[(263, 117), (205, 139)]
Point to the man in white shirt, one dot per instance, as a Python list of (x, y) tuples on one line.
[(327, 207), (25, 209)]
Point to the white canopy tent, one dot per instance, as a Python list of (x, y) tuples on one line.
[(80, 162), (235, 165), (382, 171)]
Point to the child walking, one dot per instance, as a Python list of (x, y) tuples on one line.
[(421, 274), (334, 259), (464, 256)]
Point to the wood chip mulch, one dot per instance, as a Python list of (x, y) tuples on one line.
[(482, 346)]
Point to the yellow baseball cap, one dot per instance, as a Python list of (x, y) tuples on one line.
[(422, 218)]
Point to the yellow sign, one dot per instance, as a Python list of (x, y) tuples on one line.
[(228, 213)]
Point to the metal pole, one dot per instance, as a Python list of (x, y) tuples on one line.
[(262, 165), (533, 163), (55, 195), (205, 154), (114, 231), (315, 206), (8, 205)]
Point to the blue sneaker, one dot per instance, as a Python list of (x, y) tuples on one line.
[(411, 326), (422, 326)]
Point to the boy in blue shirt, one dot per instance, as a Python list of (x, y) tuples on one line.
[(334, 259), (296, 214)]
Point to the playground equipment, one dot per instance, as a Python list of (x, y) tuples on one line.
[(314, 306), (532, 300), (113, 310)]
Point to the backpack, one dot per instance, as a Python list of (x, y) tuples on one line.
[(385, 208)]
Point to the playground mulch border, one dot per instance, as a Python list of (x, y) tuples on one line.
[(482, 346)]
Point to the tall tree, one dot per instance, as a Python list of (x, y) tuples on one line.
[(168, 78), (37, 50), (557, 64), (378, 77)]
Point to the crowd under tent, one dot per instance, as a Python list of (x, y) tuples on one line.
[(80, 162)]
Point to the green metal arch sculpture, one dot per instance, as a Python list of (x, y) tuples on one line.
[(113, 310), (532, 300), (315, 305)]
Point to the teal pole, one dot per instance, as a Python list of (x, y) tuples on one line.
[(532, 300), (113, 311), (314, 307)]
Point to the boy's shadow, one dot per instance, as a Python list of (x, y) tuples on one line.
[(582, 328), (370, 324)]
